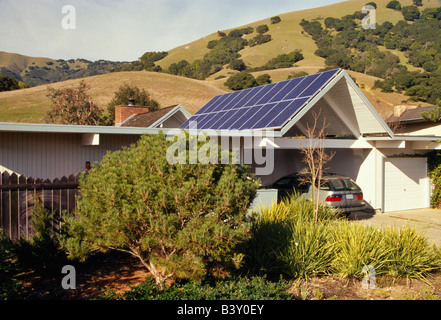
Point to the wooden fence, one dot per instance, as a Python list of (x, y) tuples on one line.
[(18, 195)]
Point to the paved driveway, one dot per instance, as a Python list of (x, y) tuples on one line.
[(427, 220)]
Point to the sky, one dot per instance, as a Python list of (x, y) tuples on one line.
[(122, 30)]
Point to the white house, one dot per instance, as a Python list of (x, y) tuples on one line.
[(49, 151), (390, 168)]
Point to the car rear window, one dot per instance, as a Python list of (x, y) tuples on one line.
[(342, 185), (284, 182)]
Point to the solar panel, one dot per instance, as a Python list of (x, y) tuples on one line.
[(287, 113), (269, 117), (316, 84), (268, 106), (257, 116), (301, 87), (274, 90)]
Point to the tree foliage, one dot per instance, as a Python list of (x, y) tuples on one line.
[(284, 60), (240, 81), (259, 39), (275, 19), (343, 43), (262, 29), (181, 220), (73, 106), (237, 64), (263, 79), (145, 62), (394, 4), (128, 92), (433, 115), (8, 84), (410, 13), (223, 52)]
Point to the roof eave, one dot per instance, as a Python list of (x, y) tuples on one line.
[(60, 128), (80, 129), (403, 138), (170, 114)]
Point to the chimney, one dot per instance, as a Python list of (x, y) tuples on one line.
[(122, 113), (399, 109)]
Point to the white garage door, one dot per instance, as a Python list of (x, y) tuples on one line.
[(406, 185)]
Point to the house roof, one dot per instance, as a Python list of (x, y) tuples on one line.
[(146, 119), (410, 115), (287, 107), (135, 125), (62, 128)]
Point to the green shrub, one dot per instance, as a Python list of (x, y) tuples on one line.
[(286, 240), (397, 252), (9, 287), (42, 253), (434, 162), (356, 246), (308, 252), (262, 250), (272, 248), (242, 288), (410, 253), (180, 220)]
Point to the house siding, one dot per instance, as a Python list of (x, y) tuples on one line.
[(50, 156)]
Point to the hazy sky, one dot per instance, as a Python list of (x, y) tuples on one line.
[(122, 30)]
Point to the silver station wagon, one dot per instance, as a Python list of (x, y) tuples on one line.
[(336, 191)]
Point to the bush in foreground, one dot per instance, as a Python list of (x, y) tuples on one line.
[(286, 240), (180, 220), (9, 286), (242, 288)]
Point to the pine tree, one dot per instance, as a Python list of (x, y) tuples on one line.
[(181, 221)]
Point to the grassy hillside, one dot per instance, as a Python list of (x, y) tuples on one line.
[(288, 35), (30, 105), (37, 70), (21, 62)]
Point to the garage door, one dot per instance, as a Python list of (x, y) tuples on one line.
[(405, 184)]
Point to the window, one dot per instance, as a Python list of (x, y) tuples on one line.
[(283, 183), (343, 185)]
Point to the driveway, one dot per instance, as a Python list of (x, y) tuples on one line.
[(426, 220)]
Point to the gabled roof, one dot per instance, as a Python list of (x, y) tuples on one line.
[(287, 106), (411, 115), (157, 118)]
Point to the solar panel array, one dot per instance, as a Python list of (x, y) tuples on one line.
[(268, 106)]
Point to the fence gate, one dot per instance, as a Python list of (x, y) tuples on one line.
[(18, 195)]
